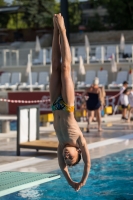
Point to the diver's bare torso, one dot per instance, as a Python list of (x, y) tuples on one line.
[(67, 129)]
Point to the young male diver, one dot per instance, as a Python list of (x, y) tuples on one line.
[(71, 141)]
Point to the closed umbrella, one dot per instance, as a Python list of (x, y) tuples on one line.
[(50, 69), (81, 66), (38, 46), (122, 43), (113, 64), (87, 47), (28, 70)]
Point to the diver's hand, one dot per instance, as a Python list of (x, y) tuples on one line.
[(78, 186), (72, 184)]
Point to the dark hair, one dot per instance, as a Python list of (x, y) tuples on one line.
[(125, 82), (125, 91), (79, 158)]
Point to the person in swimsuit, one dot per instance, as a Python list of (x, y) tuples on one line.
[(93, 103), (71, 141)]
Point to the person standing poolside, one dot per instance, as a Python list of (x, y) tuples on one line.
[(71, 141), (130, 97), (124, 110), (94, 103), (125, 102)]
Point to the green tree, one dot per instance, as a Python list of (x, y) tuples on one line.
[(3, 3), (75, 13), (95, 24), (3, 17), (38, 13), (120, 13), (19, 24)]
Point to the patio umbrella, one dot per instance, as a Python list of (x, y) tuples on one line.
[(50, 69), (87, 47), (37, 46), (29, 64), (122, 43), (113, 64), (81, 66), (28, 70), (87, 44)]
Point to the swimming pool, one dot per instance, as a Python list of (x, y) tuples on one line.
[(111, 178)]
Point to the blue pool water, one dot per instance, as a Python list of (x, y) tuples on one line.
[(111, 178)]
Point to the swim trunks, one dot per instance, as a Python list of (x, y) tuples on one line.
[(59, 104)]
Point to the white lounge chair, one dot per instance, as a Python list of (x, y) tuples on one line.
[(130, 80), (111, 49), (34, 81), (15, 80), (43, 81), (89, 78), (74, 77), (98, 54), (78, 51), (4, 80), (39, 60), (128, 51), (81, 52), (121, 77), (103, 77)]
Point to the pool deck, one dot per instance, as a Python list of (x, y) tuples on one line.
[(100, 144)]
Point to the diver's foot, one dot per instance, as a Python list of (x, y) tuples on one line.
[(55, 24), (60, 22)]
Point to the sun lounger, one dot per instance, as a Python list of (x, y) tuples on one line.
[(128, 51), (39, 60), (89, 77), (34, 81), (130, 80), (43, 81), (15, 80), (98, 55), (121, 77), (74, 77), (111, 49), (103, 77), (4, 80)]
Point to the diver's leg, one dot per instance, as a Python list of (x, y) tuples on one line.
[(67, 83), (55, 79)]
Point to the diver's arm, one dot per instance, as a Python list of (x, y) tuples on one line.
[(87, 164), (63, 166)]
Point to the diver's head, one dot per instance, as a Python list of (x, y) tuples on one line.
[(71, 155)]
